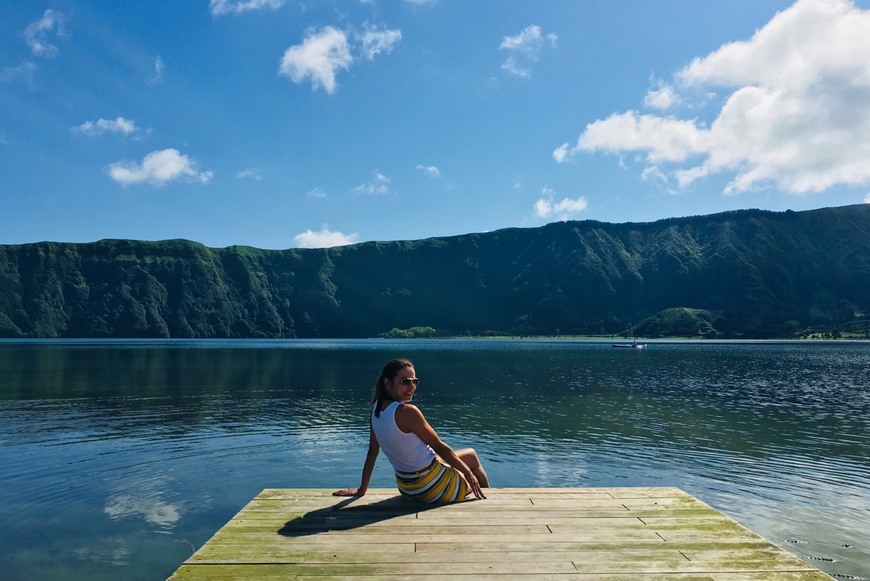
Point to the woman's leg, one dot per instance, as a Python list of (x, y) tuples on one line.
[(469, 456)]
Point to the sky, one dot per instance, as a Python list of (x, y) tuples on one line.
[(298, 124)]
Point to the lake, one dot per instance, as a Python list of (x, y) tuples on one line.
[(120, 458)]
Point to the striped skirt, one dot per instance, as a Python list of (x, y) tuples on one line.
[(437, 483)]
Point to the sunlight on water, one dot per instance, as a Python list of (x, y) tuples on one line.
[(121, 458)]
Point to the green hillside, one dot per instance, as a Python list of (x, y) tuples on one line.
[(739, 274)]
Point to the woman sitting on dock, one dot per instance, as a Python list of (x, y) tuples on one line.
[(427, 469)]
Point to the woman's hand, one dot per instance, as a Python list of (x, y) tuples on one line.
[(474, 485), (349, 492)]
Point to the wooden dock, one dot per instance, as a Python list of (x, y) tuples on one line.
[(516, 534)]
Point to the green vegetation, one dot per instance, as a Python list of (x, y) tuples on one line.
[(746, 274), (680, 322), (412, 333)]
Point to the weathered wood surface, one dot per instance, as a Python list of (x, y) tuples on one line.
[(517, 533)]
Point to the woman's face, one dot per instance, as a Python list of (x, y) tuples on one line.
[(402, 387)]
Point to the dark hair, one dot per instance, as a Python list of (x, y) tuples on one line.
[(390, 370)]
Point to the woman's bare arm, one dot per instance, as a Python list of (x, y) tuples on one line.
[(410, 419), (368, 468)]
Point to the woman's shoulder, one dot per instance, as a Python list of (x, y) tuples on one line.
[(408, 409), (409, 417)]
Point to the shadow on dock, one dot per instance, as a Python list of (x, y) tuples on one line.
[(352, 513)]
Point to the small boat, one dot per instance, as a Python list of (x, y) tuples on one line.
[(632, 345)]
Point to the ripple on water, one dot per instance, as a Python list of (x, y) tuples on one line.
[(774, 436)]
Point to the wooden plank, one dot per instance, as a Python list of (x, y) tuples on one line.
[(283, 572), (662, 558), (613, 533), (594, 546)]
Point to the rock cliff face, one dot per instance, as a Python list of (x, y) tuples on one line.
[(748, 273)]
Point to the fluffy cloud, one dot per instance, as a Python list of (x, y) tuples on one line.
[(524, 49), (662, 98), (320, 56), (664, 139), (37, 33), (562, 153), (429, 170), (373, 41), (158, 168), (547, 208), (325, 53), (221, 7), (251, 173), (101, 126), (326, 238), (378, 186), (795, 110)]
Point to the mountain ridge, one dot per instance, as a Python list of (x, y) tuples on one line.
[(756, 273)]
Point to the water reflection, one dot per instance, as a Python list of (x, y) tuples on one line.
[(153, 510), (119, 458)]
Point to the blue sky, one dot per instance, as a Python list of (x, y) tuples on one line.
[(280, 123)]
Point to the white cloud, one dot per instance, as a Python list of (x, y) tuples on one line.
[(317, 192), (513, 67), (101, 126), (528, 41), (158, 168), (221, 7), (158, 71), (662, 98), (326, 238), (524, 49), (38, 36), (561, 153), (250, 173), (867, 199), (320, 56), (546, 207), (655, 175), (421, 2), (378, 186), (429, 170), (325, 53), (374, 41), (663, 138), (796, 110), (38, 32)]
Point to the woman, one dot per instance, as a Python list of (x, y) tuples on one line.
[(427, 469)]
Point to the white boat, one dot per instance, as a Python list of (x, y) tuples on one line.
[(632, 345)]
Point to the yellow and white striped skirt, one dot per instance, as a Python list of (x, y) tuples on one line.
[(437, 483)]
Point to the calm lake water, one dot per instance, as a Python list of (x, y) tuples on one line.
[(119, 458)]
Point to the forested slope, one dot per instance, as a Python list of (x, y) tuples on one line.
[(748, 273)]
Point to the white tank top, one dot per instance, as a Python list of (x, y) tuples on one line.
[(406, 452)]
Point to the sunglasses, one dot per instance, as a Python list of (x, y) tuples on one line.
[(410, 380)]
